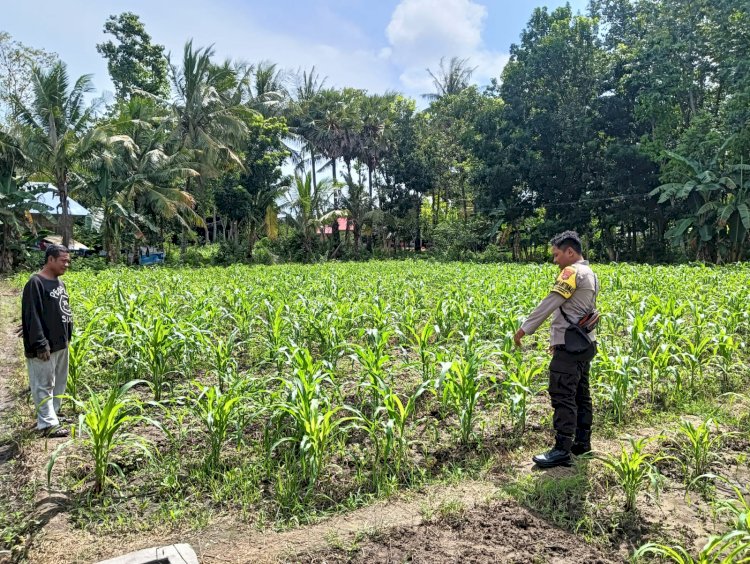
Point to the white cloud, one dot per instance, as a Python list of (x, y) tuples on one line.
[(421, 28), (420, 32)]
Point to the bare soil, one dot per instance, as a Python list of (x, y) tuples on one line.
[(500, 531)]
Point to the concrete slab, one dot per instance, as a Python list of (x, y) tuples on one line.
[(172, 554)]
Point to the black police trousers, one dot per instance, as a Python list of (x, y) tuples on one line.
[(570, 394)]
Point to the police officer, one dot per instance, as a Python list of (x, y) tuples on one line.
[(573, 295)]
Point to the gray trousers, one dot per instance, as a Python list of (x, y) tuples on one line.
[(47, 379)]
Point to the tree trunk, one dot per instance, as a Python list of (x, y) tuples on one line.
[(314, 173), (65, 226), (251, 243), (369, 181), (463, 199), (418, 234), (6, 262), (335, 225)]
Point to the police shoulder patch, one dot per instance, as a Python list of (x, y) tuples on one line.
[(565, 284)]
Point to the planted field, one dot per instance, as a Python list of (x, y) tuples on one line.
[(210, 402)]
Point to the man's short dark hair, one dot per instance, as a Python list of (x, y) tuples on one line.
[(54, 251), (567, 240)]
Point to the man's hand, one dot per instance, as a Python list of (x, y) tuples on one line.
[(43, 355), (518, 336), (19, 330)]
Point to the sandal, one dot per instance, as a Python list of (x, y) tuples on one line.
[(54, 432)]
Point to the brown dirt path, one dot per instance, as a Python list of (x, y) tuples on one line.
[(10, 440)]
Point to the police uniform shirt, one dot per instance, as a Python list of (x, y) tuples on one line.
[(574, 290)]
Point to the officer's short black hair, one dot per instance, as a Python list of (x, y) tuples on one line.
[(54, 251), (567, 240)]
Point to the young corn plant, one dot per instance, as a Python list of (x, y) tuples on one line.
[(730, 548), (617, 377), (157, 344), (460, 386), (697, 447), (396, 416), (103, 430), (220, 356), (695, 354), (517, 387), (313, 419), (328, 335), (275, 333), (218, 410), (659, 359), (634, 470), (726, 350), (373, 359), (420, 341), (80, 353)]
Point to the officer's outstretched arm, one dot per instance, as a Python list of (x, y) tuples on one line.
[(545, 308)]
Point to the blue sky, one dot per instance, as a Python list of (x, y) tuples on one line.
[(376, 44)]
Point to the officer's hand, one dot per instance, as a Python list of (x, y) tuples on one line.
[(19, 330), (43, 355), (518, 336)]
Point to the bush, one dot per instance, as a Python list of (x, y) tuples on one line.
[(263, 255), (89, 263), (456, 240), (192, 257), (230, 253), (491, 254)]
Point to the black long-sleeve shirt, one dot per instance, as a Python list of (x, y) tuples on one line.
[(46, 316)]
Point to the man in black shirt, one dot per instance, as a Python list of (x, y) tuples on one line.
[(47, 326)]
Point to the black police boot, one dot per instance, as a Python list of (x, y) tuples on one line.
[(559, 455), (582, 445)]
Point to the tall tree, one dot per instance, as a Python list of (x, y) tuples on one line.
[(16, 64), (210, 111), (268, 91), (134, 62), (301, 117), (376, 112), (550, 88), (57, 129), (451, 78), (305, 208), (263, 153)]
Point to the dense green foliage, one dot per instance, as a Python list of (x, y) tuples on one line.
[(630, 124)]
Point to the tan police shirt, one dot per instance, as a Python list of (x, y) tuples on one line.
[(574, 290)]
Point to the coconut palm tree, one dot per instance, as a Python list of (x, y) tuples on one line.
[(137, 177), (305, 207), (451, 79), (209, 108), (268, 92), (301, 117), (57, 129), (210, 111)]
